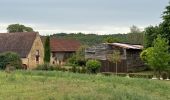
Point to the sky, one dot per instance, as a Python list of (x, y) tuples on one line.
[(88, 16)]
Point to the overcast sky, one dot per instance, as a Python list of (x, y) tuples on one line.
[(90, 16)]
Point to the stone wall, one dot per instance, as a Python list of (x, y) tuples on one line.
[(37, 45)]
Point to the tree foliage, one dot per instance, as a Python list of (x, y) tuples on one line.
[(10, 58), (163, 29), (79, 57), (93, 39), (157, 57), (18, 28), (110, 40), (47, 50), (93, 66), (165, 25)]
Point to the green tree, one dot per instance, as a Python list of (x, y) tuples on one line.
[(47, 50), (165, 25), (115, 58), (163, 29), (157, 57), (110, 40), (150, 34), (10, 58), (18, 28)]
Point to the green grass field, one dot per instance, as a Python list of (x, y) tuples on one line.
[(41, 85)]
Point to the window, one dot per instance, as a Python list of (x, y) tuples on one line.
[(37, 55)]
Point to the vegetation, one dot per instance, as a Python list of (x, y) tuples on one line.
[(18, 28), (115, 58), (47, 50), (93, 66), (110, 40), (45, 85), (92, 39), (157, 56), (162, 29), (79, 57), (10, 59)]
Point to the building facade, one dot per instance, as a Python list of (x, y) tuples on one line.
[(27, 45), (130, 56)]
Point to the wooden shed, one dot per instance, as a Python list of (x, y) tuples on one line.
[(130, 56)]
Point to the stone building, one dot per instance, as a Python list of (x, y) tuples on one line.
[(62, 49), (27, 44), (130, 56)]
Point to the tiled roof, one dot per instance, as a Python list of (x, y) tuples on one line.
[(20, 42), (64, 45)]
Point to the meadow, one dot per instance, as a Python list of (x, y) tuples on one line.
[(55, 85)]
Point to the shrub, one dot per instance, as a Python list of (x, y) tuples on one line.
[(74, 69), (10, 59), (83, 70), (45, 66), (93, 66)]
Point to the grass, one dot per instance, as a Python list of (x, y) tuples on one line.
[(41, 85)]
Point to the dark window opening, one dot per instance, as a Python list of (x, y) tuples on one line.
[(37, 55)]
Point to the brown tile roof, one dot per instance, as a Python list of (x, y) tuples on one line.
[(64, 45), (20, 42)]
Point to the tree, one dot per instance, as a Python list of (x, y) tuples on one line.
[(165, 25), (157, 57), (18, 28), (163, 29), (150, 34), (135, 36), (80, 55), (115, 58), (47, 50), (134, 29), (110, 40), (11, 59)]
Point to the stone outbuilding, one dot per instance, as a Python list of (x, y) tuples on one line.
[(27, 45), (62, 49)]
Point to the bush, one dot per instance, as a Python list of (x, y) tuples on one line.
[(93, 66), (46, 66), (10, 59), (74, 69)]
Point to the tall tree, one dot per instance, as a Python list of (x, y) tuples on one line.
[(134, 29), (150, 35), (157, 57), (18, 28), (165, 25), (163, 29), (136, 36), (47, 50)]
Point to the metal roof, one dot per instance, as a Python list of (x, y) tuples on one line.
[(127, 46)]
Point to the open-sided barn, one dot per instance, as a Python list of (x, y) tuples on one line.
[(130, 56)]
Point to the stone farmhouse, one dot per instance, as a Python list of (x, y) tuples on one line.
[(62, 49), (27, 44), (130, 56)]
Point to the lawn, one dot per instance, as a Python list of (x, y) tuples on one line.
[(41, 85)]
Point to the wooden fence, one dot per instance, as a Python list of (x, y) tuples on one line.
[(108, 66)]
